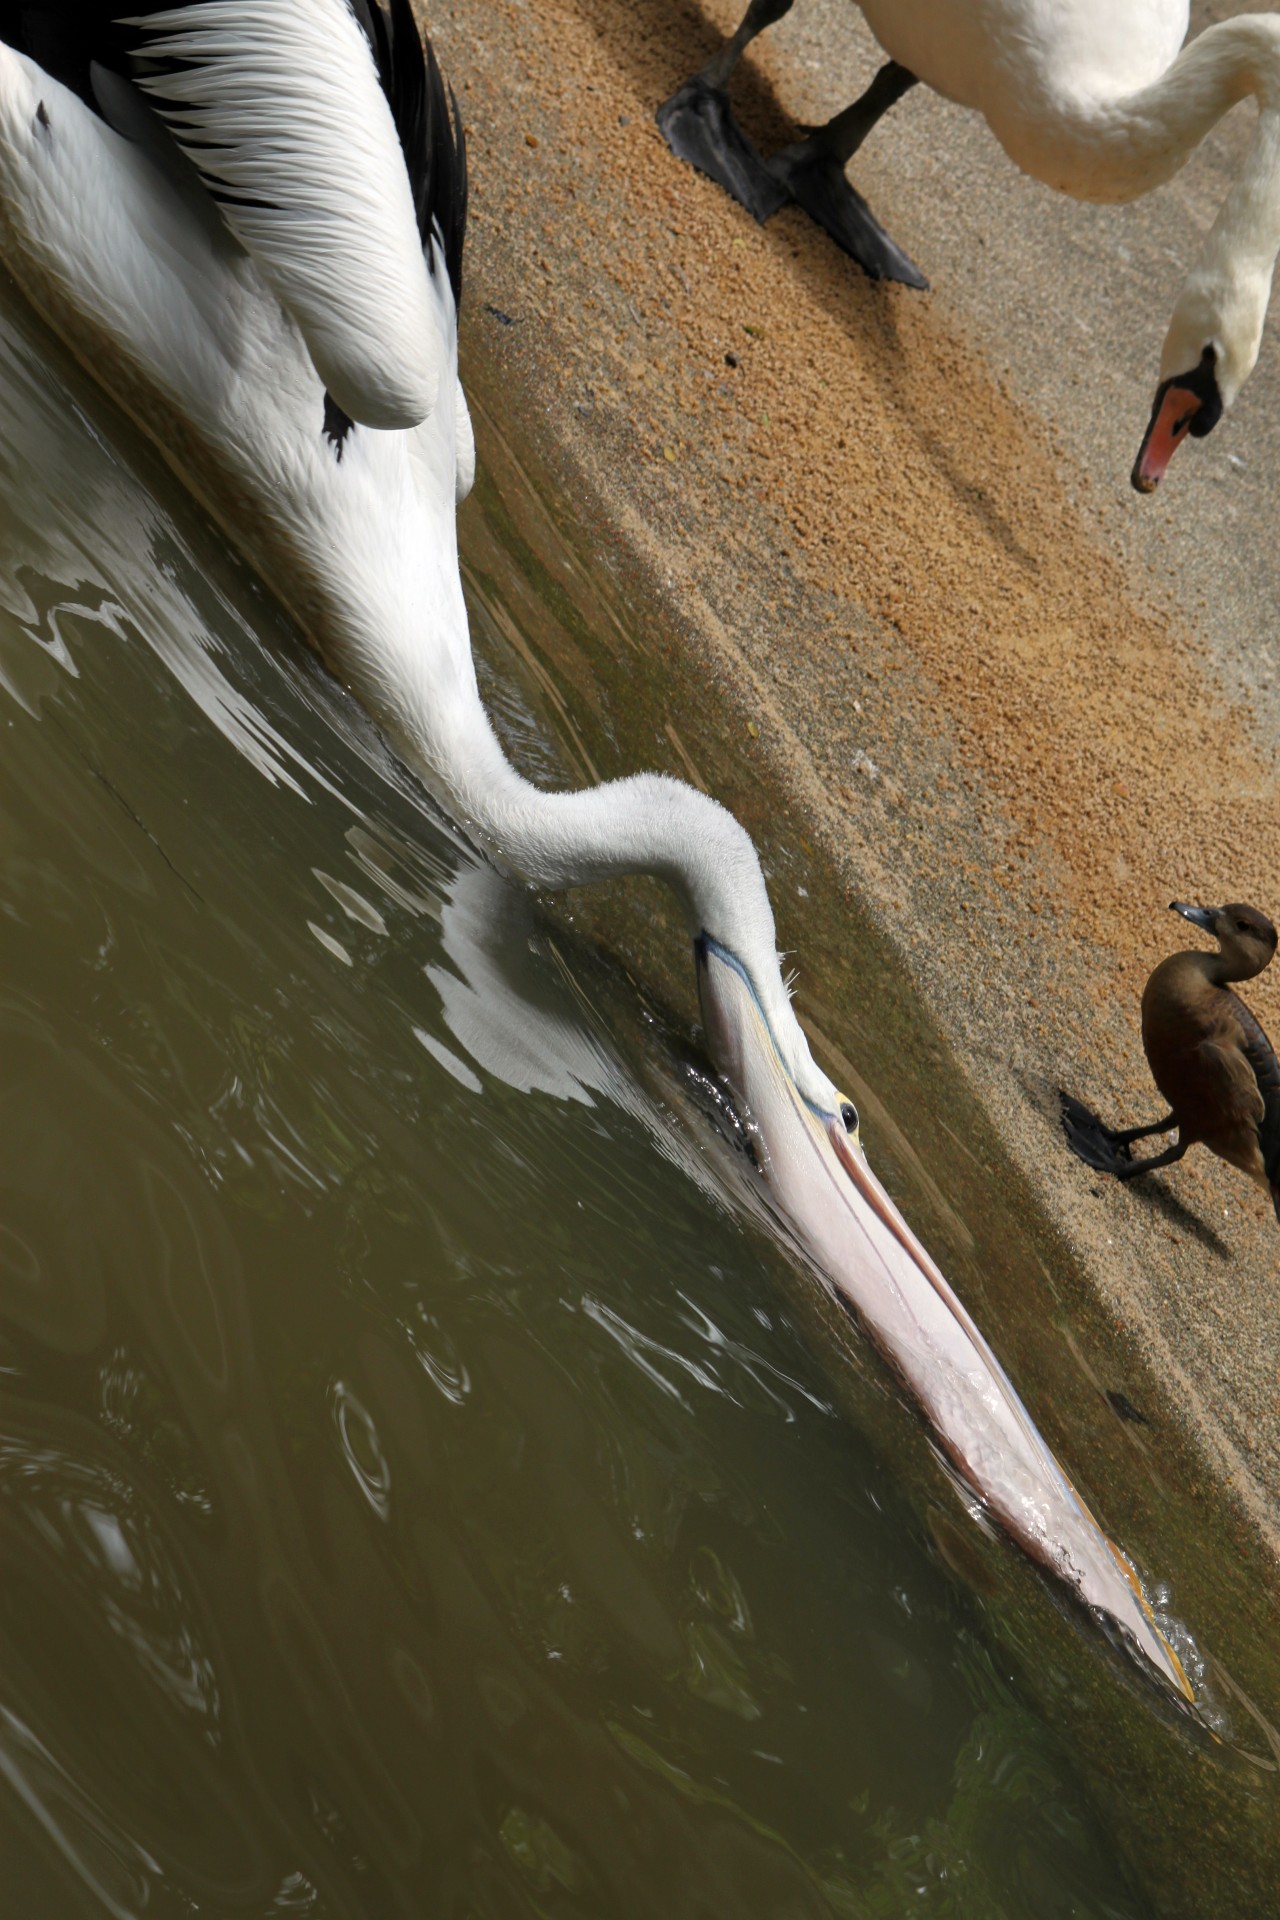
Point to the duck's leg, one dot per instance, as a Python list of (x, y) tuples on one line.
[(1126, 1137), (1130, 1169), (698, 124), (812, 174), (1106, 1148)]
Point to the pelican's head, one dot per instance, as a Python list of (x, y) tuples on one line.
[(808, 1144), (798, 1114), (808, 1148)]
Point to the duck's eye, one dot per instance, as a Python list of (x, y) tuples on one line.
[(1242, 926), (849, 1114)]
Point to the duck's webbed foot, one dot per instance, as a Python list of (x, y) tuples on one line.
[(817, 182), (697, 124), (1097, 1145), (1106, 1149)]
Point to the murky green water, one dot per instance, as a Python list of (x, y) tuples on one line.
[(424, 1487)]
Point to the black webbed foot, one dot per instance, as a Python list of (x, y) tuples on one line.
[(697, 124), (1099, 1146), (816, 181)]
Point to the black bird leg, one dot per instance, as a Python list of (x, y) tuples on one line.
[(1131, 1134), (811, 172), (697, 122), (1106, 1149), (1132, 1168)]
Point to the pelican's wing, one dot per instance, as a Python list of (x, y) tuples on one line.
[(294, 114), (428, 123)]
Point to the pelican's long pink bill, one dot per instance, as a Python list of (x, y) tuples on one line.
[(820, 1182)]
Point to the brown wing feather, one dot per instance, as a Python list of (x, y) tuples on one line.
[(1261, 1056)]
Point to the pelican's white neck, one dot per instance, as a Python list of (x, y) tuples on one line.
[(647, 823)]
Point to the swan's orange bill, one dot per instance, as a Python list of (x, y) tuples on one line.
[(1171, 416)]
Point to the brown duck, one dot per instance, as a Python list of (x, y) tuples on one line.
[(1208, 1056)]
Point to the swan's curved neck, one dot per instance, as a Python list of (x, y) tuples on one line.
[(1079, 136), (1076, 134), (1246, 234)]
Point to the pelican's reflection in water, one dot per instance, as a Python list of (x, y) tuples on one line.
[(489, 1005), (414, 1496)]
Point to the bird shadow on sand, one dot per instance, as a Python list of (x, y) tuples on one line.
[(1151, 1191), (674, 40)]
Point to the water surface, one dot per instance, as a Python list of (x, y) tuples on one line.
[(425, 1485)]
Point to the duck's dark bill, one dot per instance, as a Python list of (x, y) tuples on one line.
[(1198, 916)]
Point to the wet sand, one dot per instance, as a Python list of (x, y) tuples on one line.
[(1015, 708)]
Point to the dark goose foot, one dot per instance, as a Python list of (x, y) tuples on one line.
[(698, 126), (1098, 1146), (816, 181)]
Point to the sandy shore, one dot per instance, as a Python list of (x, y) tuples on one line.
[(1015, 708)]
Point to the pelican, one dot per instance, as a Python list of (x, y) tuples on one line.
[(1093, 98), (1208, 1056), (108, 223)]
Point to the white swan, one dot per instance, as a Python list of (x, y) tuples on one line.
[(1092, 97), (355, 529)]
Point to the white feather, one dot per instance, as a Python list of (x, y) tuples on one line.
[(282, 105), (465, 443)]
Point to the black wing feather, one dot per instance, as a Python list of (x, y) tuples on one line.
[(65, 37), (428, 123)]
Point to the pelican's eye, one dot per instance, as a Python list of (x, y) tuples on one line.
[(849, 1114)]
